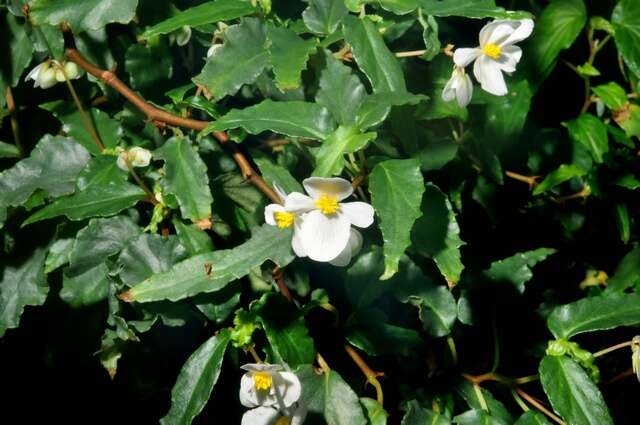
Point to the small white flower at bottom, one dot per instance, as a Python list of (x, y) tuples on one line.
[(497, 53), (267, 385), (136, 157), (262, 415), (458, 87), (49, 73)]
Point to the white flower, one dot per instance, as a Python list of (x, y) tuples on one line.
[(271, 416), (458, 87), (322, 225), (182, 35), (48, 73), (325, 231), (43, 75), (265, 385), (136, 157), (497, 53)]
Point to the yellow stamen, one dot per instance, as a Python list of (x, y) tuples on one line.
[(283, 421), (283, 219), (492, 50), (262, 380), (327, 204)]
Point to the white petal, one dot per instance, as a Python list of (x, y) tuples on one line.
[(297, 202), (72, 70), (121, 161), (261, 367), (334, 186), (212, 49), (496, 32), (280, 191), (353, 247), (323, 236), (269, 213), (463, 57), (287, 388), (449, 91), (260, 416), (248, 392), (33, 74), (47, 78), (140, 157), (296, 242), (509, 58), (465, 92), (488, 72), (360, 214), (523, 30), (299, 415), (183, 35)]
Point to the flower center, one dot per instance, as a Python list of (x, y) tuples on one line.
[(327, 204), (283, 421), (283, 219), (492, 50), (262, 380)]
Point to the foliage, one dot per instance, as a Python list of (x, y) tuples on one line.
[(138, 233)]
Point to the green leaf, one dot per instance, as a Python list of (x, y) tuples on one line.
[(396, 188), (587, 70), (468, 8), (52, 167), (374, 412), (506, 115), (288, 54), (399, 7), (58, 254), (149, 66), (330, 156), (324, 16), (100, 200), (206, 13), (219, 305), (292, 118), (21, 285), (370, 331), (285, 330), (376, 107), (85, 280), (341, 91), (497, 413), (108, 130), (517, 269), (186, 178), (556, 29), (195, 240), (436, 304), (146, 255), (626, 21), (373, 56), (621, 214), (240, 60), (275, 174), (627, 274), (8, 150), (437, 234), (82, 16), (611, 94), (190, 277), (595, 314), (197, 378), (532, 418), (416, 415), (328, 395), (591, 133), (430, 36), (562, 174), (17, 50), (572, 394)]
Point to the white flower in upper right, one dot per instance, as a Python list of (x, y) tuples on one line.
[(497, 53), (325, 233)]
